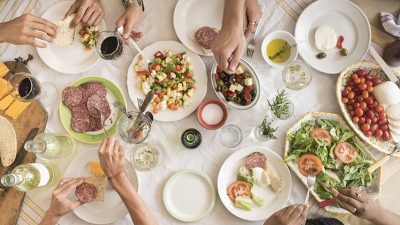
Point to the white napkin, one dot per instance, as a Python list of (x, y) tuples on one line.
[(391, 24)]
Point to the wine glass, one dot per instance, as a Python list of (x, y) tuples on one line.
[(109, 45), (23, 86)]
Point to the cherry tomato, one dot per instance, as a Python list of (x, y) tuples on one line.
[(351, 94), (378, 108), (365, 94), (382, 121), (382, 115), (357, 80), (365, 127), (373, 127), (368, 133), (362, 80), (370, 114), (374, 120), (345, 100), (370, 89), (345, 92), (351, 101), (351, 112), (356, 119), (384, 127), (362, 86), (376, 81), (362, 121), (369, 101), (350, 107), (348, 88), (368, 121), (363, 105), (350, 82), (357, 105), (354, 76), (358, 112), (378, 133), (386, 136), (368, 77), (361, 73)]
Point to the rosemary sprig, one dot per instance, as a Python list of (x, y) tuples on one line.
[(280, 105), (267, 130)]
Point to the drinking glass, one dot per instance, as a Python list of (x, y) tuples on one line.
[(23, 86), (109, 45), (134, 130), (231, 136), (296, 75), (145, 156)]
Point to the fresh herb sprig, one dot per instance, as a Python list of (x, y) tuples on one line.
[(267, 130), (280, 105)]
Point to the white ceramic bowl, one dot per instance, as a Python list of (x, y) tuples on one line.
[(256, 84), (280, 34)]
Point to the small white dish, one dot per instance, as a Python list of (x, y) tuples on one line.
[(280, 34), (189, 195)]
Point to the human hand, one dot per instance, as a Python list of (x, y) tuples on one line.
[(291, 215), (365, 207), (228, 47), (112, 157), (60, 205), (129, 20), (25, 29), (88, 12), (253, 16)]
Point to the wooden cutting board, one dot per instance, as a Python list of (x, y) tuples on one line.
[(35, 116)]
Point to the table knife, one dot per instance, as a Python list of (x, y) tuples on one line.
[(335, 193), (385, 67)]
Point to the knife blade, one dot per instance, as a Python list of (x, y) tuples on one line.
[(385, 67)]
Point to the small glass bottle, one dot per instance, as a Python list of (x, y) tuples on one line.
[(191, 138), (51, 146), (28, 176)]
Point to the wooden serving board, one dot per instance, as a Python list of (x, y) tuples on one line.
[(35, 116)]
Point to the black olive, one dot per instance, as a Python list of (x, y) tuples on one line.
[(229, 98), (237, 99), (253, 93), (243, 102), (224, 89), (218, 88), (321, 55), (232, 79), (221, 76), (344, 52)]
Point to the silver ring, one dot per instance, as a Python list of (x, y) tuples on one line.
[(61, 183), (254, 23), (358, 193)]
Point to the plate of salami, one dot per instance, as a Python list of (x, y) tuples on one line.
[(78, 108)]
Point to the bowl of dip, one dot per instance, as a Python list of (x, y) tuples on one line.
[(279, 48), (212, 114)]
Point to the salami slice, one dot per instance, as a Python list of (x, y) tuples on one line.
[(256, 159), (86, 192), (72, 96), (97, 102), (92, 88), (95, 124), (80, 118), (205, 36)]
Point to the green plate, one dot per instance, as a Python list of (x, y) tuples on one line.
[(65, 114)]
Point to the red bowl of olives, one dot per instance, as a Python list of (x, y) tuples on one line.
[(240, 90)]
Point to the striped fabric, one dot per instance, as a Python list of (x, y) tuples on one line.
[(9, 9)]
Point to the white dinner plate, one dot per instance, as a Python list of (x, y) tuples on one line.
[(189, 195), (190, 15), (200, 75), (112, 209), (70, 59), (346, 19), (273, 201)]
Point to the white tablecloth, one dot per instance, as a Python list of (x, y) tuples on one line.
[(157, 25)]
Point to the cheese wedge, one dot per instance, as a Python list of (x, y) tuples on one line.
[(6, 102), (16, 108), (3, 88), (3, 69)]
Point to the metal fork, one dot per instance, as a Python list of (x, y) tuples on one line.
[(310, 183), (252, 43), (121, 107), (103, 120)]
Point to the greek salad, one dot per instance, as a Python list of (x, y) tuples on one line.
[(88, 35), (170, 76), (255, 174)]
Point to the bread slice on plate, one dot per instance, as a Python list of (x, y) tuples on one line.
[(100, 184), (65, 34), (8, 142)]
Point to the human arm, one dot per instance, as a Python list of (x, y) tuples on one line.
[(291, 215), (25, 29), (130, 19), (60, 205), (87, 12), (112, 161), (229, 44), (367, 208)]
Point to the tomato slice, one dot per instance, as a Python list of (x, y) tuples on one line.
[(345, 152), (159, 54), (307, 162), (321, 134), (239, 188)]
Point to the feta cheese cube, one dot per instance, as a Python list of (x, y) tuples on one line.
[(145, 87), (190, 92), (173, 75), (185, 97), (232, 88), (239, 70), (153, 73), (161, 76), (180, 87), (248, 81), (239, 87)]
